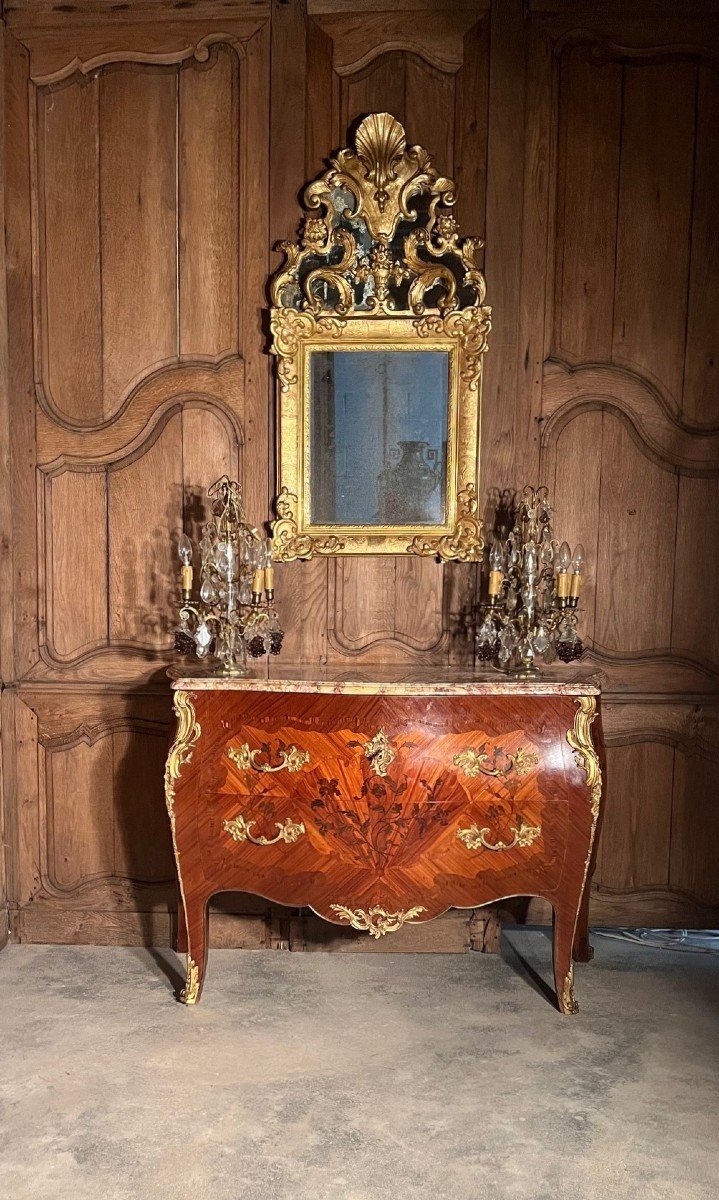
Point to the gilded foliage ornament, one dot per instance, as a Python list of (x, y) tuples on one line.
[(386, 235), (585, 755), (376, 921), (380, 753), (475, 838), (187, 735), (240, 830), (379, 263), (191, 991), (290, 759)]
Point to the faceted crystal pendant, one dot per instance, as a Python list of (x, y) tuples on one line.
[(207, 592), (203, 637), (540, 641), (547, 553)]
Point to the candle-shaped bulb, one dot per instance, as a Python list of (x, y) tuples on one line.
[(496, 577), (258, 584), (184, 549), (577, 568), (269, 571), (564, 558)]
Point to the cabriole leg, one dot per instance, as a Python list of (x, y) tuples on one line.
[(564, 919), (181, 941), (196, 914), (582, 950)]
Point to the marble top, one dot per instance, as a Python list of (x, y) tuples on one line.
[(382, 681)]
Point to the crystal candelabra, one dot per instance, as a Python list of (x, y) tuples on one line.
[(234, 615), (529, 613)]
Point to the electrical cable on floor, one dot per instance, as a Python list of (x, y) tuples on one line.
[(693, 941)]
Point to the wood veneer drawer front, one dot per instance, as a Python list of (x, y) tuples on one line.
[(457, 741), (543, 720), (300, 832), (438, 768), (357, 856)]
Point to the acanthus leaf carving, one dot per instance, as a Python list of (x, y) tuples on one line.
[(360, 249)]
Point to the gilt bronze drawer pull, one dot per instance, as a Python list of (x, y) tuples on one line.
[(376, 921), (474, 762), (287, 831), (475, 838), (293, 759)]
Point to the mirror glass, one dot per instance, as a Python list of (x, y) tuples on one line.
[(378, 426)]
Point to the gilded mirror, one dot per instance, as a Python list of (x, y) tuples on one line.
[(379, 326)]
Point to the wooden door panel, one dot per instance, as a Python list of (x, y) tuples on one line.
[(654, 221), (629, 438), (109, 539), (209, 189), (138, 213), (138, 254), (92, 834), (69, 284), (701, 358), (586, 220)]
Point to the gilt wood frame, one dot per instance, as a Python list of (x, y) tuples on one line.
[(423, 291)]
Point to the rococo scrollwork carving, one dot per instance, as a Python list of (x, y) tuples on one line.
[(475, 838), (585, 755), (376, 921), (291, 759), (356, 255), (380, 260), (187, 735), (240, 830), (380, 753)]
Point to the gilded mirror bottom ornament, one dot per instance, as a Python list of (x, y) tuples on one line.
[(379, 327)]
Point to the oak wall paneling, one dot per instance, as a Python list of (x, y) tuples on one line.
[(153, 158), (620, 434), (6, 648)]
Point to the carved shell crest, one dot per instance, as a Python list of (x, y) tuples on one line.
[(380, 235)]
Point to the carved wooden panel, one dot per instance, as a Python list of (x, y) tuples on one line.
[(630, 429), (151, 162), (138, 253)]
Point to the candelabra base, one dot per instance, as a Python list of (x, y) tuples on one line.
[(525, 672), (231, 671)]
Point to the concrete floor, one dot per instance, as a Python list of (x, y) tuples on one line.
[(355, 1077)]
